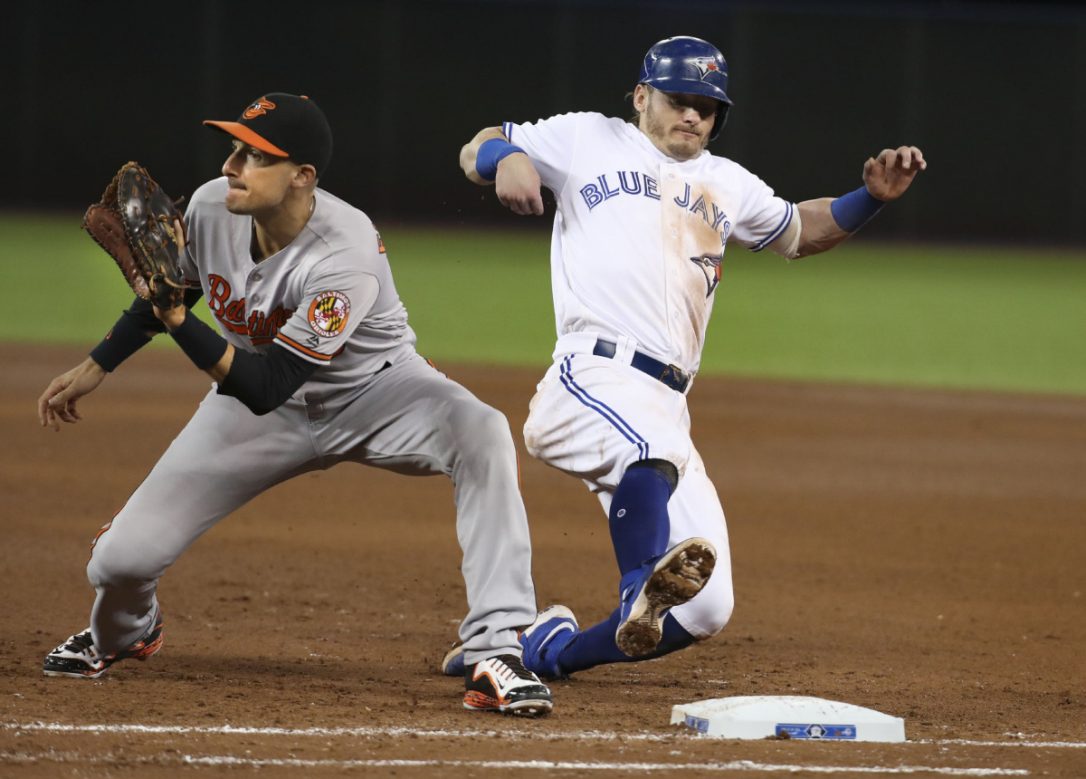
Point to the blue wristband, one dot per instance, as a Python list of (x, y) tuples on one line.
[(852, 211), (490, 154)]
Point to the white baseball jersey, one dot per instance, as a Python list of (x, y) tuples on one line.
[(328, 294), (639, 237)]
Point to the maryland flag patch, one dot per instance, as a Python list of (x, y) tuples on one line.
[(328, 314)]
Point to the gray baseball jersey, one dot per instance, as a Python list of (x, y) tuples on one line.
[(328, 297), (329, 294)]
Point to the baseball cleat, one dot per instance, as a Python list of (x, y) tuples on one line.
[(452, 664), (503, 684), (544, 640), (79, 658), (672, 579)]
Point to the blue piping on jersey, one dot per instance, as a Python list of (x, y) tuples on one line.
[(787, 220), (602, 409), (507, 128)]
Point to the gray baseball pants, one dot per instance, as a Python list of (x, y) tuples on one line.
[(409, 418)]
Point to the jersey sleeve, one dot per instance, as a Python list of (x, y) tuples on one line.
[(338, 292), (763, 217), (190, 272), (550, 143)]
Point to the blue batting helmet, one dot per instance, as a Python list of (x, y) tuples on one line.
[(689, 66)]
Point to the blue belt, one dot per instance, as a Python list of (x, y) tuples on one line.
[(673, 377)]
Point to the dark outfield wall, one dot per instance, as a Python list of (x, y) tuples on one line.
[(995, 94)]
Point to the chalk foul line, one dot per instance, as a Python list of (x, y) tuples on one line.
[(397, 731), (506, 765)]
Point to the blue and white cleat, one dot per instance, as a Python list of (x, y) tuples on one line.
[(544, 640), (646, 594), (452, 664)]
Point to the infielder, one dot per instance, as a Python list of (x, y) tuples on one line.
[(644, 217), (315, 365)]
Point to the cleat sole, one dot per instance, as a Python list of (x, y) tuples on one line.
[(677, 579)]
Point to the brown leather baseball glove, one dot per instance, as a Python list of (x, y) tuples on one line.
[(141, 228)]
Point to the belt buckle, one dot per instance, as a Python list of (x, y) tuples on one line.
[(671, 375), (674, 377)]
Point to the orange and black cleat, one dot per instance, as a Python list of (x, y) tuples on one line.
[(503, 684), (79, 658)]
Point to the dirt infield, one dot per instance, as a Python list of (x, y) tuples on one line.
[(918, 552)]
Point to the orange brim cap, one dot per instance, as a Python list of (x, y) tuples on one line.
[(245, 134)]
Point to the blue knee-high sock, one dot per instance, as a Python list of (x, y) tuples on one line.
[(596, 645), (638, 517)]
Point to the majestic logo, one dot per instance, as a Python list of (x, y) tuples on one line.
[(710, 265), (328, 313), (707, 65), (259, 108)]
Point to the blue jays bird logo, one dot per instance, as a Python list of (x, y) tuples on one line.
[(710, 265), (707, 65)]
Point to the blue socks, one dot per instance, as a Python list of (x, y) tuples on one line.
[(638, 517), (596, 645), (640, 528)]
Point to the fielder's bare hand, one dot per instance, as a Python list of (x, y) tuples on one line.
[(890, 174), (58, 402), (518, 186)]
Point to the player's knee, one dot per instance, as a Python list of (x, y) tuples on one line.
[(115, 565), (716, 615), (480, 428), (707, 614), (670, 460), (666, 469), (709, 617)]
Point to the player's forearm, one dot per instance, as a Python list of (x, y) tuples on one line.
[(199, 342), (261, 382), (819, 231), (130, 333), (470, 151), (264, 382), (208, 350), (830, 220)]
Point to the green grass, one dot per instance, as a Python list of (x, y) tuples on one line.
[(967, 317)]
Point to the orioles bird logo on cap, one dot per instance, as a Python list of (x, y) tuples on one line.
[(259, 108)]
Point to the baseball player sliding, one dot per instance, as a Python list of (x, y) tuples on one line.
[(645, 215), (315, 365)]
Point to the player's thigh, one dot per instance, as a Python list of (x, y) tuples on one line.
[(416, 420), (224, 456), (592, 418)]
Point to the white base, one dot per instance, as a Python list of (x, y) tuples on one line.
[(787, 716)]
